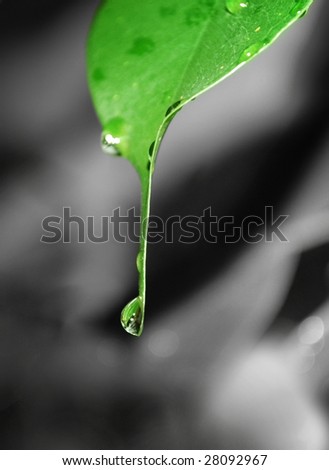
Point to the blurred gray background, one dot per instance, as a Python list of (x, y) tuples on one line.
[(235, 349)]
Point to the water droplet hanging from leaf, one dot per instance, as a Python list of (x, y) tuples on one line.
[(132, 317), (115, 137), (251, 51)]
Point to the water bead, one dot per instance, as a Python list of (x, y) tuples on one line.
[(251, 51), (139, 262), (114, 137), (236, 6), (132, 317), (110, 144), (173, 108)]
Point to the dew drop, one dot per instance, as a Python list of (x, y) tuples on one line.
[(303, 14), (251, 51), (132, 317), (139, 262), (114, 137), (236, 6), (298, 10), (110, 144), (173, 107), (151, 149)]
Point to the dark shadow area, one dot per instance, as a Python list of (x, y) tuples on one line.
[(16, 163), (18, 18), (309, 290)]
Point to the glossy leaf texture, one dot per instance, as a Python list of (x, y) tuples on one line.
[(146, 59)]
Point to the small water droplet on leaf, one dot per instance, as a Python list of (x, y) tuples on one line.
[(236, 6), (114, 137), (173, 107), (298, 10), (132, 317), (139, 262), (151, 149), (251, 51), (110, 144)]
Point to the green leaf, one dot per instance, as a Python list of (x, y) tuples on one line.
[(147, 58)]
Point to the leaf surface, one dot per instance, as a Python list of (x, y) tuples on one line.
[(147, 58)]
